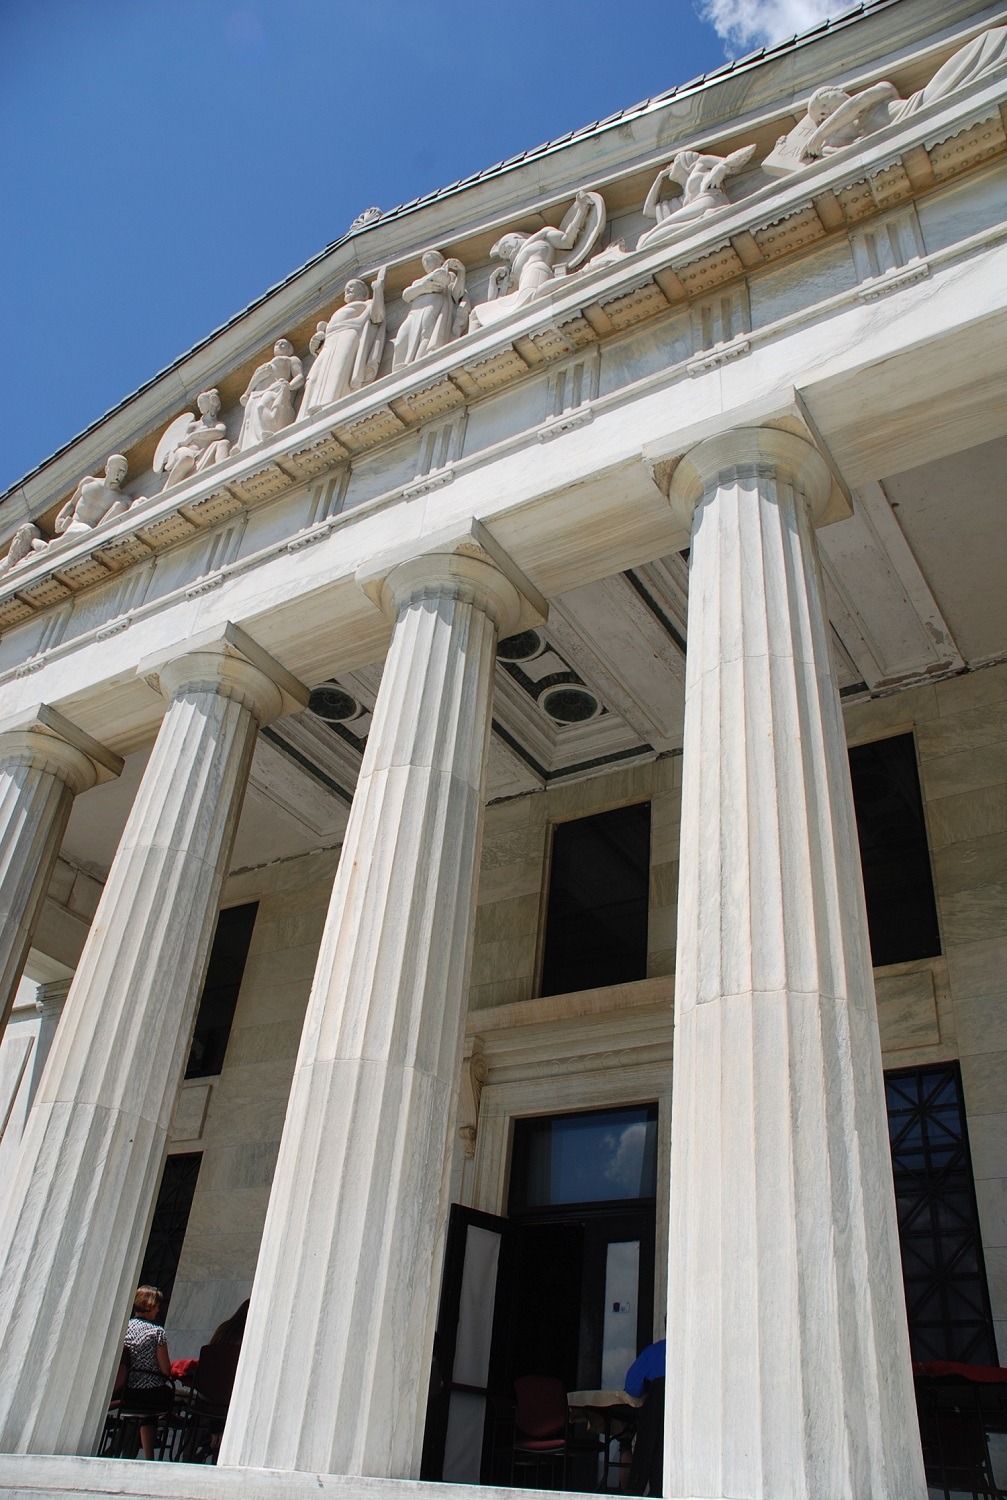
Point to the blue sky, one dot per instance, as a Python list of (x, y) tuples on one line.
[(164, 161)]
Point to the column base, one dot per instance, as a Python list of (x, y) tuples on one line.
[(31, 1476)]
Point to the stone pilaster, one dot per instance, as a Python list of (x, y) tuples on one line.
[(335, 1362), (73, 1227), (788, 1356), (44, 762)]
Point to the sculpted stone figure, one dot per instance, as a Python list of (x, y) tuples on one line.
[(351, 347), (192, 444), (95, 500), (835, 118), (268, 399), (26, 541), (532, 261), (438, 310), (701, 178)]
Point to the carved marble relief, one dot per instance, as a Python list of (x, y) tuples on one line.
[(438, 310), (835, 118), (352, 345), (191, 444), (348, 347), (26, 541), (532, 261), (95, 500), (701, 178), (268, 398)]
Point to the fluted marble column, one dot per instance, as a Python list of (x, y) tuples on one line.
[(74, 1225), (44, 762), (788, 1356), (335, 1361)]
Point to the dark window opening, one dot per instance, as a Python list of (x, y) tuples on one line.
[(947, 1299), (220, 991), (167, 1228), (898, 886), (596, 917)]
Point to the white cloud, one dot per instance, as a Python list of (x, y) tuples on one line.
[(746, 24), (626, 1165)]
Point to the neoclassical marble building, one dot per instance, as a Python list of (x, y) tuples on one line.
[(488, 622)]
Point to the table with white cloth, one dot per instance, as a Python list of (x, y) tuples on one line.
[(610, 1414)]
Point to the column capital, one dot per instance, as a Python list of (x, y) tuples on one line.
[(224, 659), (784, 454), (462, 561), (52, 742), (51, 997)]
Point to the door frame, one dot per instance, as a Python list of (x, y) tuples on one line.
[(623, 1080)]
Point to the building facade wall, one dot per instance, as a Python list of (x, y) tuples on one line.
[(603, 1047)]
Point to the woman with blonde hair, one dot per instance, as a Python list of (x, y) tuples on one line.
[(149, 1386)]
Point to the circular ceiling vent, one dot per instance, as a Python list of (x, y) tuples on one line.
[(570, 705), (331, 703), (520, 647)]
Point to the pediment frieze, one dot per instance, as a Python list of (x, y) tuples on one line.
[(555, 291)]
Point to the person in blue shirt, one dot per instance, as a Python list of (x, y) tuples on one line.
[(648, 1366), (645, 1377)]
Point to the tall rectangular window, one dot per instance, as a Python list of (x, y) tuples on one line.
[(947, 1300), (220, 991), (898, 886), (168, 1226), (596, 917)]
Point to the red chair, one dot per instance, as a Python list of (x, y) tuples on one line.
[(540, 1430)]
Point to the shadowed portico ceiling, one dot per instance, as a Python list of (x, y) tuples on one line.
[(602, 683)]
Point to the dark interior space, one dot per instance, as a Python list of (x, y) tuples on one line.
[(898, 886), (546, 1304), (220, 991), (167, 1229)]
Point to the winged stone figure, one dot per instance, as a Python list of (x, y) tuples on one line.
[(191, 444)]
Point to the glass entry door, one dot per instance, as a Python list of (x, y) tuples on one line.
[(582, 1207), (564, 1286), (460, 1425)]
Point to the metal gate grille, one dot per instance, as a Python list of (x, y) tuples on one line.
[(947, 1299)]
